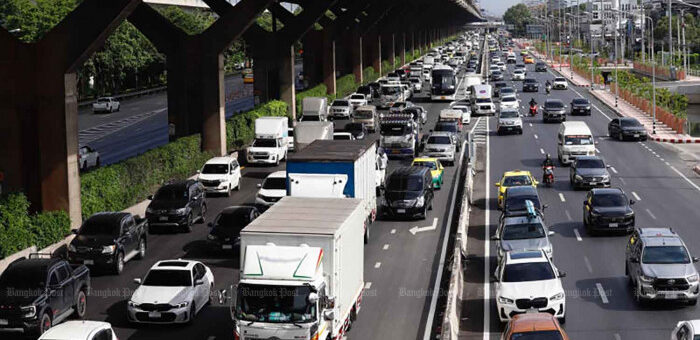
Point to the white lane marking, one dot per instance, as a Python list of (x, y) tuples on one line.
[(578, 235), (661, 159), (588, 264), (529, 124), (377, 265), (536, 136), (542, 151), (487, 255), (368, 285), (416, 229), (386, 246), (561, 197), (568, 216), (617, 336), (636, 196), (667, 163), (612, 168), (601, 112), (596, 150), (393, 231), (622, 180), (601, 291), (650, 214), (685, 178)]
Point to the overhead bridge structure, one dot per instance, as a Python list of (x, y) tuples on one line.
[(38, 92)]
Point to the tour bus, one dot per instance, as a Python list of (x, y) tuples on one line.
[(444, 83)]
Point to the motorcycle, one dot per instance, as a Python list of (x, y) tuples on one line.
[(548, 175), (533, 110), (548, 88)]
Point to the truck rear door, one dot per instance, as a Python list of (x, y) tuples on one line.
[(317, 185)]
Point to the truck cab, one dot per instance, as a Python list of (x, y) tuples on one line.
[(398, 135), (270, 143)]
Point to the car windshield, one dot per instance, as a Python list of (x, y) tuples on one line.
[(275, 304), (553, 105), (168, 278), (428, 164), (535, 271), (217, 169), (363, 114), (446, 127), (508, 99), (310, 118), (537, 335), (92, 227), (390, 90), (609, 200), (414, 80), (511, 181), (630, 123), (518, 72), (439, 140), (404, 183), (340, 103), (578, 140), (580, 102), (275, 183), (590, 163), (394, 129), (518, 203), (523, 231), (171, 193), (265, 143), (357, 96), (483, 100), (559, 79), (665, 255), (509, 114)]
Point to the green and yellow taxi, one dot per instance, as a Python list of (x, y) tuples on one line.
[(513, 179), (436, 169), (523, 52)]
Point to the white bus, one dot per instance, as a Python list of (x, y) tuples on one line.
[(443, 83)]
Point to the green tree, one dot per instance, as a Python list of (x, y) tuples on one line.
[(519, 17)]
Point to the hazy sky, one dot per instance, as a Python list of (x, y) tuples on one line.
[(497, 7)]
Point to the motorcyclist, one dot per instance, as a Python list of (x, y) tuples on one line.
[(533, 103), (547, 162), (547, 83)]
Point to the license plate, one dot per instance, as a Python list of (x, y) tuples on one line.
[(613, 225), (670, 296), (636, 135), (401, 211), (153, 315), (395, 151), (88, 262), (442, 97), (3, 322), (163, 218), (226, 246)]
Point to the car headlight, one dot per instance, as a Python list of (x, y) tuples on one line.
[(606, 177), (558, 296), (630, 214), (505, 300), (132, 304), (211, 237), (180, 211), (548, 250), (28, 311), (420, 201), (109, 249), (182, 304), (578, 177), (646, 279), (72, 248), (693, 278)]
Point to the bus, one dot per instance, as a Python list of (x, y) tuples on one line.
[(444, 83)]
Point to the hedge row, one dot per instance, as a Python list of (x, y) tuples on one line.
[(119, 186), (20, 230)]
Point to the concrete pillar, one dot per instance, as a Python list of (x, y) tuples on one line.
[(413, 43), (313, 56), (328, 51), (403, 48), (286, 80), (375, 46), (392, 51), (355, 49)]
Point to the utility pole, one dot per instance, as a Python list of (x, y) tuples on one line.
[(643, 24), (670, 31)]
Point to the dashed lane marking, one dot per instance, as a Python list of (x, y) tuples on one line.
[(596, 150), (529, 124), (601, 291), (650, 213), (588, 264), (536, 136), (368, 285), (636, 196), (617, 336), (386, 246), (561, 197), (578, 235), (542, 151), (568, 215), (377, 265), (612, 168), (393, 231)]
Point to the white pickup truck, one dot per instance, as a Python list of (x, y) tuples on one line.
[(271, 141)]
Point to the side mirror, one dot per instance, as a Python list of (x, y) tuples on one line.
[(562, 274), (329, 315), (695, 259), (550, 233), (494, 278), (150, 197), (259, 185), (198, 282), (312, 298), (497, 185), (636, 260), (137, 281), (608, 166), (495, 237), (632, 202), (199, 171)]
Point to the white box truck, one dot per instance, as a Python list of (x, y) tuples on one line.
[(302, 267), (307, 132), (270, 143), (336, 168), (314, 109)]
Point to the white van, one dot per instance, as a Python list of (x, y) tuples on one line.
[(574, 139)]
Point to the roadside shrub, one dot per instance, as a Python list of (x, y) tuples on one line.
[(345, 85), (369, 75), (49, 228)]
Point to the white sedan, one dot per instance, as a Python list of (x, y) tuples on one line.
[(357, 99), (466, 113), (509, 102), (560, 84), (80, 330), (518, 75), (106, 104), (173, 291)]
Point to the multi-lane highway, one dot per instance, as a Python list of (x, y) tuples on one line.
[(600, 305)]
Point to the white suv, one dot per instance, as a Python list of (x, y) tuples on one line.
[(173, 291), (560, 83), (509, 102), (272, 189), (80, 330), (528, 280), (220, 175)]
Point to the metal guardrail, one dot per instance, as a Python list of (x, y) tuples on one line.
[(126, 95)]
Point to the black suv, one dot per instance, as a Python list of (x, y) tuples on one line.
[(514, 200), (580, 106), (553, 109), (109, 239), (226, 229), (589, 171), (531, 85), (626, 128), (368, 91), (357, 130), (540, 67), (408, 193), (37, 293), (608, 210), (177, 205)]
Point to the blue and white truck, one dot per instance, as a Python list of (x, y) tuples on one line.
[(336, 168)]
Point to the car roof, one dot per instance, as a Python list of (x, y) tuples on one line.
[(220, 160), (440, 134), (516, 173), (606, 191), (278, 174), (425, 159), (659, 237), (533, 322), (553, 100), (525, 256), (406, 171), (75, 329), (178, 264), (107, 217), (366, 108)]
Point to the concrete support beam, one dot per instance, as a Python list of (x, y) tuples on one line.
[(329, 61), (356, 50), (392, 50), (286, 80), (403, 48), (375, 51), (38, 105)]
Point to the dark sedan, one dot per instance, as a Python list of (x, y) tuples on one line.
[(226, 229), (514, 201), (589, 171), (540, 67), (608, 210), (530, 85), (580, 106), (358, 130), (627, 128)]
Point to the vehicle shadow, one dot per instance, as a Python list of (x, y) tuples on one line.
[(565, 229), (618, 295), (256, 174)]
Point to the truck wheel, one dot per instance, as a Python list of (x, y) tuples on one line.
[(97, 162), (81, 305), (44, 324), (142, 249), (119, 263), (193, 311)]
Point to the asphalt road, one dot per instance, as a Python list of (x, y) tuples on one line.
[(667, 195), (400, 269)]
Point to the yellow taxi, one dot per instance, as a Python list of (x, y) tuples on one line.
[(513, 179), (529, 59), (436, 169), (523, 52)]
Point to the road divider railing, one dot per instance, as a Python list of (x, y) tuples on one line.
[(126, 95)]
